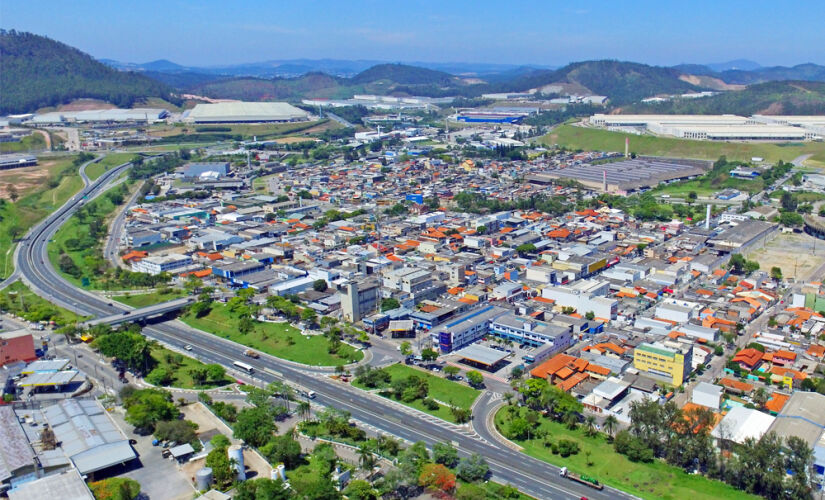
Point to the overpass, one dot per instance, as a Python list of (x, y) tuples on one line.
[(141, 313)]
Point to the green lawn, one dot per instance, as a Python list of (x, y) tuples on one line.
[(35, 204), (440, 389), (656, 480), (601, 140), (33, 142), (704, 187), (149, 299), (278, 339), (18, 299), (180, 366), (95, 170)]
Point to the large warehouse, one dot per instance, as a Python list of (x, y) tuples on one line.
[(625, 176), (137, 115), (719, 127), (245, 112)]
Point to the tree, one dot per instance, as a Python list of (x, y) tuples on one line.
[(181, 431), (776, 273), (245, 324), (222, 471), (736, 263), (146, 407), (304, 409), (760, 397), (319, 285), (589, 315), (254, 426), (610, 424), (389, 304), (475, 378), (215, 373), (451, 371), (692, 196), (436, 476), (519, 429), (429, 354), (262, 489), (283, 449), (12, 190), (406, 348), (473, 468), (445, 454), (788, 201), (366, 458), (115, 488), (359, 489), (590, 423)]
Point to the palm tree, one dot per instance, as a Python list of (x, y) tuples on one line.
[(508, 397), (590, 422), (610, 424), (366, 457), (304, 409), (571, 419)]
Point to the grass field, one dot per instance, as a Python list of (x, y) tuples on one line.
[(52, 184), (95, 170), (18, 299), (32, 142), (180, 366), (589, 139), (278, 339), (656, 480), (261, 131), (148, 299), (440, 389), (703, 187)]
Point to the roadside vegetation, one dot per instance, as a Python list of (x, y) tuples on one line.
[(115, 488), (418, 389), (26, 206), (19, 300), (139, 300), (33, 142), (589, 139), (172, 369), (234, 321), (95, 170)]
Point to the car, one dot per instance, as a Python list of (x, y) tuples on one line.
[(187, 347), (125, 313)]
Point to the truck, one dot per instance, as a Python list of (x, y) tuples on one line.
[(581, 479), (251, 354)]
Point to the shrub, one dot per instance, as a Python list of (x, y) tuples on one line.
[(567, 447)]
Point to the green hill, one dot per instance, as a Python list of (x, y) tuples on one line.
[(403, 74), (786, 98), (38, 72)]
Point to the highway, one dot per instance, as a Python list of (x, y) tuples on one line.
[(530, 475)]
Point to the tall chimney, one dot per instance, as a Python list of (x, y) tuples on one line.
[(604, 180), (627, 147), (707, 217)]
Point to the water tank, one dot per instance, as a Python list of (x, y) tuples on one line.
[(278, 472), (236, 453), (203, 479)]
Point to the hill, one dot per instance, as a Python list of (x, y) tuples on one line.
[(403, 74), (39, 72), (788, 98), (623, 82)]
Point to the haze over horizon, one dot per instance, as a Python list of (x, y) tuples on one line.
[(208, 33)]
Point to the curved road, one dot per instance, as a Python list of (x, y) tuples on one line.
[(530, 475)]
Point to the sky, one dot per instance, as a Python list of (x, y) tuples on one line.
[(549, 32)]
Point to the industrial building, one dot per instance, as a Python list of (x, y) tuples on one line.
[(245, 112), (137, 115), (718, 127), (8, 162), (584, 296), (509, 115), (625, 176), (466, 329)]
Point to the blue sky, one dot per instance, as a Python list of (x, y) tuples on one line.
[(208, 32)]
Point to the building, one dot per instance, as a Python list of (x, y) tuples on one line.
[(802, 416), (584, 296), (240, 112), (466, 329), (359, 299), (197, 169), (741, 423), (531, 332), (707, 395), (17, 161), (16, 346), (671, 362), (16, 456), (156, 264), (66, 485), (102, 116)]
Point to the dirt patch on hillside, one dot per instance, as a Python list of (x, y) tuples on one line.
[(710, 82), (24, 179), (86, 104)]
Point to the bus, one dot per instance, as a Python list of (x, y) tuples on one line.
[(243, 366)]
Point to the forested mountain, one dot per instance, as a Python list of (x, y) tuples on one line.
[(403, 74), (787, 98), (38, 72)]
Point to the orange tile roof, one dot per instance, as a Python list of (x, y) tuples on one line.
[(572, 382), (598, 369), (468, 300), (782, 372), (749, 356), (736, 384), (506, 230), (777, 402), (135, 254), (551, 366), (393, 257), (791, 356), (816, 350)]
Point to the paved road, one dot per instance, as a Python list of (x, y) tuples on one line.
[(116, 232), (340, 120), (529, 475)]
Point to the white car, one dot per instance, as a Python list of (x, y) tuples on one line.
[(187, 347)]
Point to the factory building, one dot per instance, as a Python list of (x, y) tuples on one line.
[(245, 112), (719, 127), (137, 115)]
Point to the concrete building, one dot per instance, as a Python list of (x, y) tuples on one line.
[(707, 395), (741, 423), (359, 299), (466, 329), (197, 169), (66, 485), (17, 161), (529, 331), (671, 362), (156, 264), (802, 416), (584, 296)]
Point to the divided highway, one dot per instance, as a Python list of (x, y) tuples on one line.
[(530, 475)]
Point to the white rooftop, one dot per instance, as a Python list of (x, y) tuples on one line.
[(742, 423)]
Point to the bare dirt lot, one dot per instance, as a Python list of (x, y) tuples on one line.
[(797, 254), (24, 179)]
